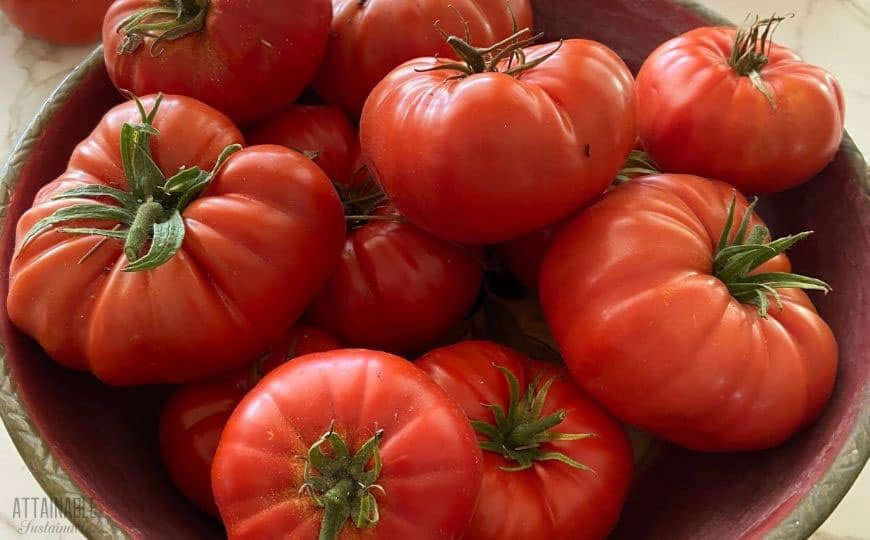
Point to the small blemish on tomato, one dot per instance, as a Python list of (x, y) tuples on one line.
[(587, 149)]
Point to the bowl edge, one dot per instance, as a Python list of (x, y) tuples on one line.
[(89, 519), (836, 481)]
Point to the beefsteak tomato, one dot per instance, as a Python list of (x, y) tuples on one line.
[(371, 37), (68, 22), (347, 434), (507, 141), (248, 59), (555, 465), (523, 255), (397, 287), (195, 415), (734, 106), (323, 132), (685, 324), (142, 279)]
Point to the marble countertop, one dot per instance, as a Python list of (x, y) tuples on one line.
[(830, 33)]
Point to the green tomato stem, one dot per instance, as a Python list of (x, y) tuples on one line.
[(147, 216), (519, 432), (342, 483), (174, 20), (734, 262)]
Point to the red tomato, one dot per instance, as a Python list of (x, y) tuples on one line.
[(484, 157), (347, 434), (248, 59), (523, 256), (397, 288), (225, 274), (195, 415), (666, 313), (68, 22), (758, 118), (371, 37), (388, 269), (555, 465), (325, 131)]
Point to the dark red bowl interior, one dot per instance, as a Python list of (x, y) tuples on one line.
[(106, 439)]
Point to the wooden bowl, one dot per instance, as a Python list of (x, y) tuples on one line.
[(89, 442)]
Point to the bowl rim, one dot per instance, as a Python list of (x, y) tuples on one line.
[(809, 513)]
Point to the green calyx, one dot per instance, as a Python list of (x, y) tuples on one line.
[(638, 164), (520, 431), (361, 199), (171, 20), (343, 483), (735, 260), (150, 211), (751, 50), (506, 56)]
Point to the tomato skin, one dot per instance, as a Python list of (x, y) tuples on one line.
[(214, 305), (696, 115), (649, 332), (551, 500), (370, 38), (67, 22), (250, 60), (429, 451), (524, 255), (321, 129), (195, 415), (490, 157), (397, 288)]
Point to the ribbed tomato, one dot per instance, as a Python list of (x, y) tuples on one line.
[(354, 444), (323, 132), (140, 278), (69, 22), (195, 415), (555, 465), (674, 310), (370, 37), (734, 106), (503, 143), (397, 287), (247, 59)]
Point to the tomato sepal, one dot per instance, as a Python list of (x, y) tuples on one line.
[(173, 20), (519, 434), (151, 209), (734, 260), (343, 484)]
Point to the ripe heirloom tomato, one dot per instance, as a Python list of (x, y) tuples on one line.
[(68, 22), (371, 37), (523, 255), (734, 106), (195, 415), (324, 131), (684, 323), (397, 288), (555, 465), (248, 59), (142, 279), (347, 434), (478, 156)]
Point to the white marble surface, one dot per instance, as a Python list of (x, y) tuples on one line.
[(831, 33)]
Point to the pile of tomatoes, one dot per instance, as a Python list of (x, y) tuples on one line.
[(281, 253)]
